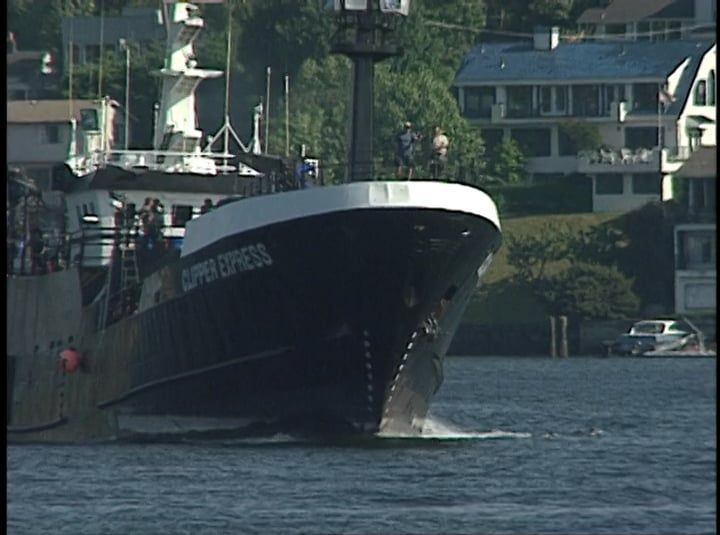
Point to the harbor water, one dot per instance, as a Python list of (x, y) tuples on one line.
[(514, 445)]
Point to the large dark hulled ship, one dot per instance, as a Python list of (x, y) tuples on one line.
[(320, 309)]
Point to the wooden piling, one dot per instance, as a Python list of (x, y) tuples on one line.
[(563, 337), (553, 347)]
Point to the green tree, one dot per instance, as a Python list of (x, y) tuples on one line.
[(530, 254), (649, 255), (547, 12), (144, 85), (320, 122), (601, 244), (37, 23), (425, 100), (507, 163), (580, 135), (432, 39), (591, 291)]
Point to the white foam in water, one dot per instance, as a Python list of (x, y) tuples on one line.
[(435, 429), (279, 438)]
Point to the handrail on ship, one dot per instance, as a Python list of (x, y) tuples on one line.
[(150, 159)]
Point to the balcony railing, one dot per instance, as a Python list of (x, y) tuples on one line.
[(638, 160), (624, 156)]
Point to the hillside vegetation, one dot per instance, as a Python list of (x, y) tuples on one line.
[(501, 298)]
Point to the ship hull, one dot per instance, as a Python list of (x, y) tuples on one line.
[(332, 322)]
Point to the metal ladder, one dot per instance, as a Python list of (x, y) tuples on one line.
[(129, 273)]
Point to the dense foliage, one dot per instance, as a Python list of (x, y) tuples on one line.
[(591, 291), (507, 163), (588, 286), (530, 254)]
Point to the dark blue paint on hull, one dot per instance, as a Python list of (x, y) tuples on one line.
[(337, 330)]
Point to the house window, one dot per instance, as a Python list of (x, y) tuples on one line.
[(645, 98), (641, 137), (519, 101), (699, 250), (561, 98), (702, 195), (553, 99), (612, 93), (657, 30), (609, 184), (673, 31), (646, 183), (700, 94), (546, 99), (617, 30), (479, 101), (534, 142), (643, 31), (51, 134), (585, 100), (711, 88)]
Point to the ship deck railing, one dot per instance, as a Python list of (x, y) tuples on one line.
[(169, 161)]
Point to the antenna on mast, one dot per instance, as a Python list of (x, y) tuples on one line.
[(227, 129), (267, 109), (102, 39), (72, 147)]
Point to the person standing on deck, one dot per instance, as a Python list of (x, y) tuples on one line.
[(405, 154), (440, 144)]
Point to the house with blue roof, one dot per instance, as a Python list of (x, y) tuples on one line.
[(650, 20), (651, 102)]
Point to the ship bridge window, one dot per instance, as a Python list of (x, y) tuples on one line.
[(181, 214)]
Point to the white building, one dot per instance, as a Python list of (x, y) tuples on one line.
[(529, 91), (43, 134), (650, 20), (696, 238)]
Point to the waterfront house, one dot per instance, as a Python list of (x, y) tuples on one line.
[(652, 103), (650, 20), (695, 238), (87, 34), (31, 74), (43, 134)]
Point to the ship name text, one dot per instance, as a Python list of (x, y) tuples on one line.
[(225, 265)]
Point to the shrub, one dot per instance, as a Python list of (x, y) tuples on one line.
[(507, 163), (591, 291)]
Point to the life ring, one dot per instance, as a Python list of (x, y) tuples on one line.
[(70, 359)]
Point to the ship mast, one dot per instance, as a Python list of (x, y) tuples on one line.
[(177, 121), (363, 28)]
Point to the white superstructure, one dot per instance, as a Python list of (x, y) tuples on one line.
[(176, 139)]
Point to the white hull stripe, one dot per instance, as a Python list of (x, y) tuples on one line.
[(256, 212)]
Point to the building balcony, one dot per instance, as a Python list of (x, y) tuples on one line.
[(617, 112), (643, 160), (619, 161)]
